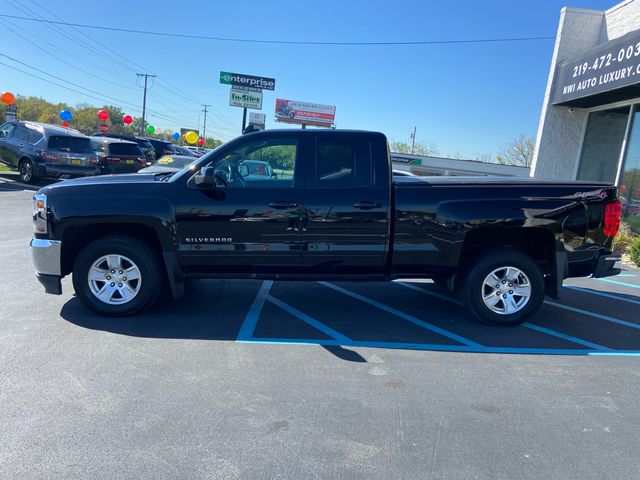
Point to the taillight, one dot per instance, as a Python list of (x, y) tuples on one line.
[(612, 212), (49, 157), (142, 160), (166, 152), (112, 160)]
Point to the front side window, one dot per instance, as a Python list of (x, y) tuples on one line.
[(7, 129), (602, 145), (344, 163), (261, 164)]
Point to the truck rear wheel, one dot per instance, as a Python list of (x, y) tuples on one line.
[(117, 276), (503, 288)]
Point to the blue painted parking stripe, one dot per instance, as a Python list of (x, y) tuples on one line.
[(309, 320), (593, 314), (398, 313), (564, 336), (251, 320), (602, 294), (530, 326), (608, 280), (445, 348)]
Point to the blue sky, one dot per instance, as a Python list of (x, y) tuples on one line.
[(469, 100)]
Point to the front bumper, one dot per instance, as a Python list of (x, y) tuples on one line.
[(45, 255)]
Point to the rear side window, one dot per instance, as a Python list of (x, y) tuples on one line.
[(124, 149), (97, 146), (34, 136), (70, 144), (21, 132), (344, 163), (143, 144)]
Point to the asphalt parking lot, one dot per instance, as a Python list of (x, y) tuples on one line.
[(247, 379)]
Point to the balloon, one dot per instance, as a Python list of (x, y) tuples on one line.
[(201, 141), (65, 124), (65, 115), (7, 98), (103, 114), (127, 119), (191, 137), (150, 129), (176, 136)]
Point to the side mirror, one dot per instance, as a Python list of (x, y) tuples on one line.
[(206, 179), (243, 170)]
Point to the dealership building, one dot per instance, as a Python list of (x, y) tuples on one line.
[(590, 122)]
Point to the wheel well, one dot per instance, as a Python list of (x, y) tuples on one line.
[(75, 239), (22, 159), (538, 243)]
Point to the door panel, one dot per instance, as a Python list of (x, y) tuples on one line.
[(251, 225), (345, 221)]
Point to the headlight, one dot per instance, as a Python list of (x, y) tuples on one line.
[(40, 213)]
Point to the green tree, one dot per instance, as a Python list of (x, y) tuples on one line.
[(518, 152), (418, 148)]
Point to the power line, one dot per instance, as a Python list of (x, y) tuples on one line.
[(283, 42)]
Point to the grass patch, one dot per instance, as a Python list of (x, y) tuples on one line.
[(4, 168)]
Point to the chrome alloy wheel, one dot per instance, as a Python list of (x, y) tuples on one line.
[(506, 290), (114, 279), (26, 171)]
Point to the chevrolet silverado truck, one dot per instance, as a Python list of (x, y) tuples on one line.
[(332, 210)]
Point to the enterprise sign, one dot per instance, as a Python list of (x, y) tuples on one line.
[(610, 66), (242, 80)]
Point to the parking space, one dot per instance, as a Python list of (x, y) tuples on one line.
[(253, 379)]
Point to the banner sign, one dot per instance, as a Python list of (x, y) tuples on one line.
[(257, 120), (292, 111), (245, 99), (612, 65), (242, 80)]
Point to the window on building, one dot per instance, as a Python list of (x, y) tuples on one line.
[(602, 145), (629, 189)]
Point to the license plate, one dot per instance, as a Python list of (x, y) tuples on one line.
[(75, 162), (129, 162)]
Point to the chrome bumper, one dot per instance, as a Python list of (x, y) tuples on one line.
[(45, 255)]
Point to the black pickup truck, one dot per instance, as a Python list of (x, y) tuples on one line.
[(329, 209)]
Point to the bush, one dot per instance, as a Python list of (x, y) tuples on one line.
[(634, 251), (623, 239)]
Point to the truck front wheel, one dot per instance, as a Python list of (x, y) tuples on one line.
[(117, 276), (504, 287)]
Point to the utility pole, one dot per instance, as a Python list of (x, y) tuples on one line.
[(204, 126), (144, 98), (413, 140)]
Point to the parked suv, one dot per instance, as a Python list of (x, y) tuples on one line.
[(117, 156), (162, 147), (144, 144), (42, 150)]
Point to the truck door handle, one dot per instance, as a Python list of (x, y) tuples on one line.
[(366, 205), (282, 204)]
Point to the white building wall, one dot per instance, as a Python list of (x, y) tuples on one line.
[(561, 129)]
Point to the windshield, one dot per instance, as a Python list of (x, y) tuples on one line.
[(196, 163)]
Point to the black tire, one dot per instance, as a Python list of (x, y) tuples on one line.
[(27, 172), (149, 266), (474, 289)]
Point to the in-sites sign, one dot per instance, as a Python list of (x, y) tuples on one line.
[(241, 80), (304, 112), (245, 99)]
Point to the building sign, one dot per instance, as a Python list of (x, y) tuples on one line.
[(242, 80), (245, 99), (257, 120), (610, 66), (291, 111), (398, 158)]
